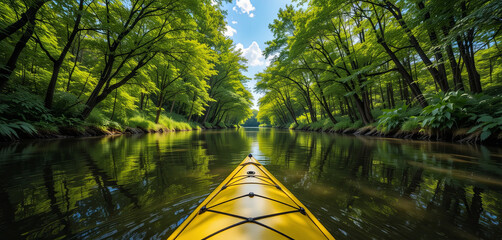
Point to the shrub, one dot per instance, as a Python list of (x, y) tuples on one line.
[(487, 124), (445, 109), (167, 122), (376, 112), (182, 126), (208, 125), (195, 126), (16, 110), (411, 124), (302, 126), (345, 124), (67, 104), (356, 124), (24, 106), (10, 129), (114, 125), (392, 118), (97, 118), (141, 122)]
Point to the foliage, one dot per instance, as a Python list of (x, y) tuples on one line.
[(392, 118), (23, 106), (208, 125), (115, 63), (253, 121), (487, 124), (16, 110), (67, 104), (97, 118), (342, 125), (139, 121), (413, 123), (10, 129), (445, 110), (356, 59)]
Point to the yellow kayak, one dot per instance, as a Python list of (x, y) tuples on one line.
[(251, 204)]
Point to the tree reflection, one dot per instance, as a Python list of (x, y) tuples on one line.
[(143, 186), (413, 186)]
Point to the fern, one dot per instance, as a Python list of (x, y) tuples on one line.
[(11, 129)]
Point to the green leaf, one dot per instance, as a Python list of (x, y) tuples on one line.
[(489, 126), (485, 118), (474, 128), (485, 135)]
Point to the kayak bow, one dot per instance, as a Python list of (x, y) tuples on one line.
[(251, 204)]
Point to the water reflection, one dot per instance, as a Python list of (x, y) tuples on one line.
[(143, 186)]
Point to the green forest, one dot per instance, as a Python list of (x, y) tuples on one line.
[(408, 68), (429, 68), (87, 66)]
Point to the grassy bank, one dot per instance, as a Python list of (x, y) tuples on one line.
[(97, 125), (23, 116)]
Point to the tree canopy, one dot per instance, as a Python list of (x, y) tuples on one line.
[(119, 59), (348, 59)]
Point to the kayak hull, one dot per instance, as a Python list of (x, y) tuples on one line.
[(251, 204)]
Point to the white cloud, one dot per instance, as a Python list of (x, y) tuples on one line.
[(213, 2), (235, 9), (229, 31), (245, 6), (253, 54), (234, 22)]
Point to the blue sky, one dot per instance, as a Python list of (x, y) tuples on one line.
[(247, 26)]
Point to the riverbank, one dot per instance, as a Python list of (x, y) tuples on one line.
[(24, 116), (461, 135), (97, 126), (95, 131)]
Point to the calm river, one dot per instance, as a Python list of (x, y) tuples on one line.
[(143, 186)]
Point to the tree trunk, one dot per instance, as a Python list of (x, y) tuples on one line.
[(49, 95), (141, 101), (364, 112), (406, 94), (470, 65), (191, 108), (159, 107), (172, 107), (342, 109), (396, 12), (406, 76), (383, 96), (352, 116), (10, 66), (437, 51), (390, 95), (313, 114), (26, 17), (207, 113), (114, 104)]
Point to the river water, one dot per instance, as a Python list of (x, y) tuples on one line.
[(143, 186)]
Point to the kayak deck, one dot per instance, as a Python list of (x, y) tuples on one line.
[(251, 204)]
